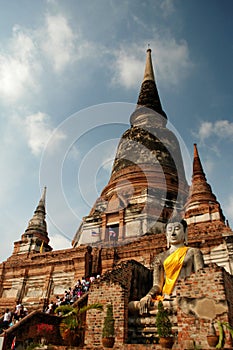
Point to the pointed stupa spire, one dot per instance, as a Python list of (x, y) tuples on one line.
[(37, 225), (41, 205), (201, 198), (200, 190), (43, 197), (149, 96), (149, 72), (35, 238), (197, 166)]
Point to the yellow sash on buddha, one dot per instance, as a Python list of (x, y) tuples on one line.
[(172, 266)]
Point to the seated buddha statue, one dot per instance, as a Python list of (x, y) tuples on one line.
[(177, 262)]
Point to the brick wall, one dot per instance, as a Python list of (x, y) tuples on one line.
[(228, 282), (114, 287), (203, 297)]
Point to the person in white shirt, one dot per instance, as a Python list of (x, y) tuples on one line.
[(6, 318)]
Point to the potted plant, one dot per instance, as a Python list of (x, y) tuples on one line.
[(72, 324), (164, 327), (108, 331), (212, 337)]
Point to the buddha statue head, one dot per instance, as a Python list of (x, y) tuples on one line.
[(176, 232)]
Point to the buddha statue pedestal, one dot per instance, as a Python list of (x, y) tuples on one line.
[(202, 298), (142, 328)]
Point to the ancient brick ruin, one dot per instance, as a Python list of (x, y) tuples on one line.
[(149, 160)]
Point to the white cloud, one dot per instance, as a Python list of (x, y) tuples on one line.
[(205, 130), (222, 129), (25, 57), (58, 41), (38, 132), (128, 70), (18, 67), (171, 60), (23, 44)]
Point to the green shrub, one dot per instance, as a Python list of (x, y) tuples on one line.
[(163, 323), (108, 328)]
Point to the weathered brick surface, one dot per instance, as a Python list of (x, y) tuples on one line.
[(114, 287), (33, 279), (211, 283)]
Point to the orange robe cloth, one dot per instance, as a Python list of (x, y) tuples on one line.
[(172, 266)]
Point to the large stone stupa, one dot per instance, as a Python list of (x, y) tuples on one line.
[(147, 182)]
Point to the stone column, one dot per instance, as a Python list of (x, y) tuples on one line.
[(104, 222), (121, 225)]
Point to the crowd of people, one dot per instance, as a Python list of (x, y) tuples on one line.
[(72, 294), (10, 318)]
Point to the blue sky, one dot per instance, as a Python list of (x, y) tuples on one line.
[(70, 74)]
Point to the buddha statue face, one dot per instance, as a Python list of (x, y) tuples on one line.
[(175, 233)]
